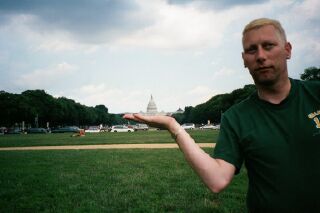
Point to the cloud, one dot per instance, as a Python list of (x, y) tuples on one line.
[(83, 25), (201, 94), (223, 72), (115, 99), (60, 25), (20, 27), (179, 28), (217, 4), (309, 47), (87, 21), (303, 33), (309, 7), (44, 78)]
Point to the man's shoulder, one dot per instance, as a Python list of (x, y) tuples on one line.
[(244, 105), (311, 84)]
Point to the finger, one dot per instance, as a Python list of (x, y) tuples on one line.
[(134, 118), (128, 116), (141, 118)]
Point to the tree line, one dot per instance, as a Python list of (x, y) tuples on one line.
[(37, 108), (212, 109)]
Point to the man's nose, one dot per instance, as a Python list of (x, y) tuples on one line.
[(261, 55)]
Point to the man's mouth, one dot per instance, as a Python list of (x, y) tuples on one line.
[(262, 69)]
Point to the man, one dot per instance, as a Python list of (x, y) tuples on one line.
[(275, 132)]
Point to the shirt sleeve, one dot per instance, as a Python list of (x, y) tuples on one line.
[(228, 147)]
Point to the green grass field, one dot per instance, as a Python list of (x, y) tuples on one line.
[(140, 180)]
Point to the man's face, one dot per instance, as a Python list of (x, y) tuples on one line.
[(265, 55)]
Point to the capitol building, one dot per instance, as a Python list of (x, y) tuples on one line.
[(152, 109)]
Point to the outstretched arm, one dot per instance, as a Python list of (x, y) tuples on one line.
[(215, 173)]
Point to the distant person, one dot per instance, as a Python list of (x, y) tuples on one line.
[(275, 132)]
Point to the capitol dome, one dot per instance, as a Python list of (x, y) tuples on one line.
[(152, 107)]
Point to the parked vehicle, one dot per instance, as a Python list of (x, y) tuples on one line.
[(73, 129), (37, 130), (121, 128), (3, 130), (13, 131), (93, 129), (141, 127), (210, 126), (104, 129), (188, 126)]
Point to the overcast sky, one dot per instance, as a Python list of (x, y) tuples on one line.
[(119, 52)]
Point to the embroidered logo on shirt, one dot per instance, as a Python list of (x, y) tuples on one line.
[(315, 116)]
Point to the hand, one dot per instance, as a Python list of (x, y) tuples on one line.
[(158, 121)]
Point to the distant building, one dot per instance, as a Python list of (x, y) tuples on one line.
[(152, 109), (179, 111)]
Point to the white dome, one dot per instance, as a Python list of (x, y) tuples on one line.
[(152, 107)]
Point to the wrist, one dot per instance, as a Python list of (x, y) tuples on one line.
[(177, 132)]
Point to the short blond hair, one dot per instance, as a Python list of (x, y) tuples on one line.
[(257, 23)]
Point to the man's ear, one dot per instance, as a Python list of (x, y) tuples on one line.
[(244, 62), (288, 49)]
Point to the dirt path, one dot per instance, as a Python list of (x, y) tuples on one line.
[(105, 146)]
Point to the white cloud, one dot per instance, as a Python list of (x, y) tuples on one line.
[(301, 24), (24, 27), (200, 94), (199, 90), (307, 10), (3, 56), (19, 25), (310, 47), (223, 72), (170, 102), (178, 27), (43, 78), (55, 43), (115, 99)]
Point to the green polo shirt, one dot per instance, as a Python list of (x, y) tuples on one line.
[(280, 147)]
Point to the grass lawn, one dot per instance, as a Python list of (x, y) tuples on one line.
[(109, 181), (206, 136), (139, 180)]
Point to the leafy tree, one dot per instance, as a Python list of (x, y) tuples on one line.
[(117, 119), (41, 105), (187, 114), (213, 108), (311, 74), (103, 116), (68, 113), (8, 109), (180, 117)]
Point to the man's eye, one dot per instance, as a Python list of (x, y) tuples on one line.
[(251, 50), (268, 46)]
